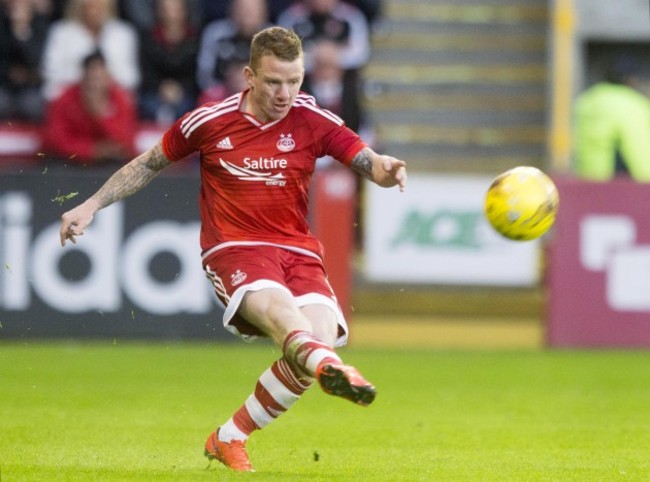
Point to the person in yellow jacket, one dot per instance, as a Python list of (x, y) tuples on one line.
[(612, 128)]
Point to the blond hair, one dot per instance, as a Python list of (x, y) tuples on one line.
[(277, 41)]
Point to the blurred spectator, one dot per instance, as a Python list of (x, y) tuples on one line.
[(53, 9), (142, 13), (612, 126), (344, 27), (92, 122), (228, 40), (233, 82), (276, 7), (372, 9), (334, 20), (89, 25), (212, 10), (168, 60), (23, 30), (327, 83)]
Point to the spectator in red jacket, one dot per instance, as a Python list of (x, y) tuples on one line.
[(93, 121)]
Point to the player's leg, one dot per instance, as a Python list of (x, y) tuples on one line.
[(236, 272), (263, 288), (310, 333), (307, 353), (275, 313), (315, 297), (306, 335), (286, 380), (276, 391), (272, 309), (334, 377)]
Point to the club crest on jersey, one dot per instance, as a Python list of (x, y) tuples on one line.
[(237, 278), (286, 143)]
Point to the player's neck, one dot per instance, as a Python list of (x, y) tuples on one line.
[(246, 107), (250, 108)]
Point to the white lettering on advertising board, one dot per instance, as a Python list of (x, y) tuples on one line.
[(608, 243), (116, 265)]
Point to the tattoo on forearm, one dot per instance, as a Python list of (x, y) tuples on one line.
[(157, 160), (362, 164), (132, 177)]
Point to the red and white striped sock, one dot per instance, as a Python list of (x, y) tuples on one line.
[(306, 352), (276, 391)]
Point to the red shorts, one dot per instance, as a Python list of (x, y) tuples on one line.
[(235, 270)]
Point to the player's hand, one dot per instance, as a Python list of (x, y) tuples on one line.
[(75, 221), (396, 170)]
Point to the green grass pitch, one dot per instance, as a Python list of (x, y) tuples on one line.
[(134, 411)]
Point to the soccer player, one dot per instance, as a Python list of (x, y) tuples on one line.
[(258, 150)]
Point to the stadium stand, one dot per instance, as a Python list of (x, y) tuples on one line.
[(454, 86)]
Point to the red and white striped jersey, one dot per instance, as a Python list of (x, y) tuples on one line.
[(255, 176)]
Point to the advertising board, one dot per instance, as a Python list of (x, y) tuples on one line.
[(599, 265), (136, 272), (435, 232)]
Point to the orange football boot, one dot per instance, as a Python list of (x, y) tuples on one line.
[(345, 381), (231, 454)]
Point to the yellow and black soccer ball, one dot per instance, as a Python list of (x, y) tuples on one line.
[(521, 204)]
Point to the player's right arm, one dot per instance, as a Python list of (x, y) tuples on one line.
[(128, 180)]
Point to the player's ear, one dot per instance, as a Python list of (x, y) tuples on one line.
[(248, 76)]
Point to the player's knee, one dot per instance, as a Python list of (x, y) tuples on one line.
[(274, 312)]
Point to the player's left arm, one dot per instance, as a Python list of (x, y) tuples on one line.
[(385, 171), (126, 181)]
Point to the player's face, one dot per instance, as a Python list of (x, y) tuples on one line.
[(274, 86)]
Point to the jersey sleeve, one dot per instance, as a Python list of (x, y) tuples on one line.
[(333, 137), (342, 143), (175, 144)]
